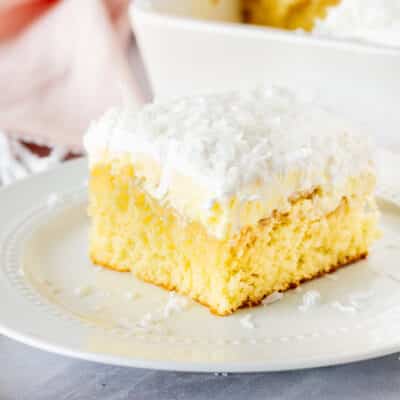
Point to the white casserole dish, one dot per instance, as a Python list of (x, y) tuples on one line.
[(192, 46)]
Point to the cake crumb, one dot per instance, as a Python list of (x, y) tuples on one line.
[(247, 322), (272, 298), (310, 299)]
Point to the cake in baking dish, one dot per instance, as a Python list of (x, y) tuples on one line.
[(227, 198), (286, 14)]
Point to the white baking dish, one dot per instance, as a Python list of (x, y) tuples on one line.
[(194, 46)]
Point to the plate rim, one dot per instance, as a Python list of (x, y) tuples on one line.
[(195, 367), (182, 366)]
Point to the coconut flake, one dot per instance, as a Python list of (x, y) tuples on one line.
[(174, 304), (52, 200), (344, 308), (272, 298), (247, 322), (148, 321), (332, 277), (310, 299), (131, 295)]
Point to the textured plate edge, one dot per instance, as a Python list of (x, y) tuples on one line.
[(161, 365), (233, 367)]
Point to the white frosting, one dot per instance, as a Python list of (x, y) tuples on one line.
[(263, 145), (376, 21)]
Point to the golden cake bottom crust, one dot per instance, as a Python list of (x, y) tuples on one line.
[(252, 303)]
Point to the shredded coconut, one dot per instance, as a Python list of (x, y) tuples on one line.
[(226, 142), (247, 322), (52, 200), (375, 21), (344, 308), (131, 295), (272, 298), (148, 321), (174, 304), (310, 299), (332, 277)]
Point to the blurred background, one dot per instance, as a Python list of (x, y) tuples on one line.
[(64, 62)]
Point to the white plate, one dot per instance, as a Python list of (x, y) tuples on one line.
[(43, 261)]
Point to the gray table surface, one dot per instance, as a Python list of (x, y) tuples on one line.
[(27, 373)]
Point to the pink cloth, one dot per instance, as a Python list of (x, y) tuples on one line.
[(62, 65)]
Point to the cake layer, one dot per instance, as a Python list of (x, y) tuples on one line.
[(229, 160), (133, 231)]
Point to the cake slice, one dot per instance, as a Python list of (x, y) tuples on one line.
[(227, 198)]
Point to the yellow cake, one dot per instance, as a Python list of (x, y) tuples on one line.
[(227, 198), (286, 14)]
